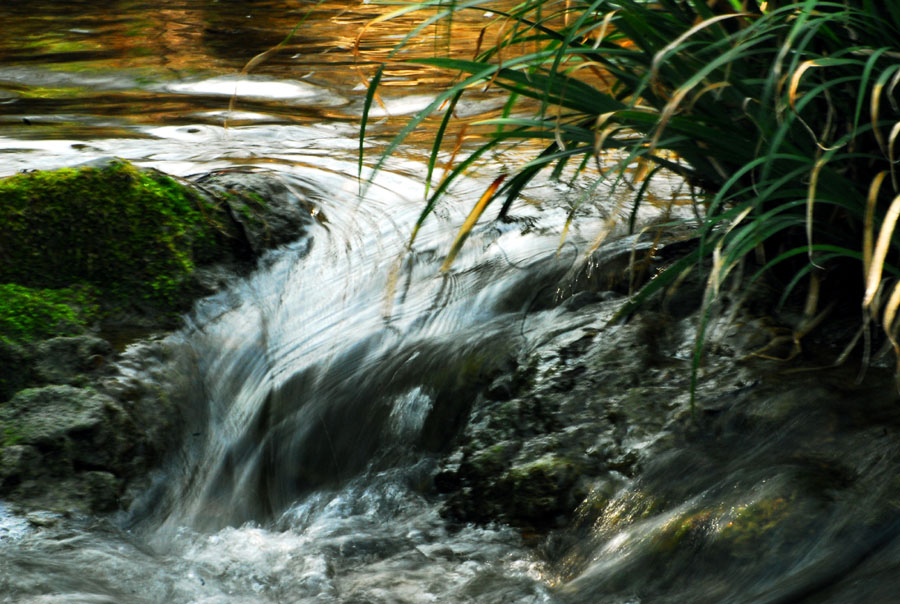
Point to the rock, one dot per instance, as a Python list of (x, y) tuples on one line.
[(587, 408), (17, 462), (101, 490), (43, 518), (65, 360), (270, 209), (61, 433), (16, 370), (135, 234), (124, 250)]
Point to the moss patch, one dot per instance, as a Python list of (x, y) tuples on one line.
[(132, 233), (30, 314)]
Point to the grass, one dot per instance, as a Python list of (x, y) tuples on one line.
[(782, 116)]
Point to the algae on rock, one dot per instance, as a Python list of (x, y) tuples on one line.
[(101, 249), (130, 232)]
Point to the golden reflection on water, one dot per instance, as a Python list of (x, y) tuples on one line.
[(181, 39), (80, 69)]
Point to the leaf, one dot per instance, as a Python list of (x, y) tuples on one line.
[(470, 221), (876, 265), (367, 105)]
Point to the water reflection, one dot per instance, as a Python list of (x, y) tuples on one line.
[(152, 82), (64, 64)]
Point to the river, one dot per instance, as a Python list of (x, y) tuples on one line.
[(319, 384)]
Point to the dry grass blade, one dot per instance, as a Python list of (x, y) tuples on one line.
[(719, 270), (460, 139), (876, 266), (810, 203), (890, 314), (470, 221), (796, 76), (895, 131), (869, 220), (660, 56)]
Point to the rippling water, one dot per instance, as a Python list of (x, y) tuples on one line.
[(322, 387), (320, 384)]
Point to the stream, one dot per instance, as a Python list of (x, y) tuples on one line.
[(324, 391)]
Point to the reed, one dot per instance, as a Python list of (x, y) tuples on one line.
[(784, 116)]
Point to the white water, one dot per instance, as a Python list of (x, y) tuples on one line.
[(315, 384)]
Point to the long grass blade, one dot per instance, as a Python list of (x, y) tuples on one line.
[(470, 221), (876, 265), (367, 106)]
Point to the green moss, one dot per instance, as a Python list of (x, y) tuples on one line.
[(685, 530), (130, 233), (494, 459), (10, 436), (29, 314), (749, 523), (541, 488), (247, 204), (739, 531)]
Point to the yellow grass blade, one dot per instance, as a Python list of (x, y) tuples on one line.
[(894, 132), (660, 56), (460, 138), (565, 231), (795, 81), (471, 219), (715, 278), (874, 110), (869, 224), (876, 266), (890, 313), (810, 202)]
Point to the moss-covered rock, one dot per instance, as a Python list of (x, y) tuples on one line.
[(127, 231), (28, 314), (125, 246), (113, 249)]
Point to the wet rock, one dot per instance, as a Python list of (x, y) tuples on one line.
[(16, 369), (62, 433), (101, 490), (593, 408), (17, 462), (70, 441), (269, 209), (67, 360), (43, 518)]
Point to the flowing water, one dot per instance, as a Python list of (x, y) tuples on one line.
[(323, 387), (317, 391)]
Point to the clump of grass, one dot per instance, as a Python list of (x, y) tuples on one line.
[(783, 116)]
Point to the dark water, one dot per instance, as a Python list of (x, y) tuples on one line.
[(322, 386)]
